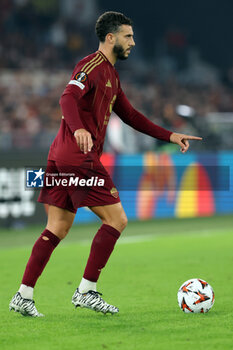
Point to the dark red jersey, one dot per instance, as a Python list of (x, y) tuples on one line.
[(87, 102)]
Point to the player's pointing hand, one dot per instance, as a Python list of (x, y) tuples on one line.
[(84, 140), (182, 140)]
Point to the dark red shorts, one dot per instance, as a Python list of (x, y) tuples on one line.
[(71, 187)]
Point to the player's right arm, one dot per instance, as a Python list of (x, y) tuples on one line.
[(78, 86)]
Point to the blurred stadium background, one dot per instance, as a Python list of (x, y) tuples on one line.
[(180, 75)]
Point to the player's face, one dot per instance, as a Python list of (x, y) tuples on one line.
[(124, 42)]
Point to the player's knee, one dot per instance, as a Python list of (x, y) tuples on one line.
[(65, 230), (119, 222), (59, 229), (123, 222)]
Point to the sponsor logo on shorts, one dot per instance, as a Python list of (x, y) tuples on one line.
[(114, 192)]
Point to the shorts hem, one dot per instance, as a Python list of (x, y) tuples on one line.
[(80, 206), (57, 205), (101, 204)]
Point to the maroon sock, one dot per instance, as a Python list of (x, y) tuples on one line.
[(40, 255), (101, 249)]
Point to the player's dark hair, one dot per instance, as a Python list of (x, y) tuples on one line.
[(109, 22)]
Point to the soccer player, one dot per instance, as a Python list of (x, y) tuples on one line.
[(93, 91)]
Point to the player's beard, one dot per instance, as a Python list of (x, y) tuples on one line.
[(119, 52)]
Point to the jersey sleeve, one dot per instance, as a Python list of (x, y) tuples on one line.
[(79, 85), (137, 120)]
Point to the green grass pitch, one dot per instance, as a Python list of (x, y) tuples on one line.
[(150, 262)]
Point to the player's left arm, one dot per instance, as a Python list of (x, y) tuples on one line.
[(139, 122)]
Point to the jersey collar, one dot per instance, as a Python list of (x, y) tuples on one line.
[(105, 58)]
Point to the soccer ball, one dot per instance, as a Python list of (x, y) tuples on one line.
[(196, 296)]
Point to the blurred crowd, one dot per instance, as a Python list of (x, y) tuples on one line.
[(42, 41), (45, 34)]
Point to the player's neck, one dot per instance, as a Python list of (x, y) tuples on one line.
[(108, 53)]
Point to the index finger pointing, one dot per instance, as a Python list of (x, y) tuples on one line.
[(189, 137)]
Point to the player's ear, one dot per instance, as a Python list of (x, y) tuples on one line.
[(110, 38)]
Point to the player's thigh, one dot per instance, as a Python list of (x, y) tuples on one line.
[(113, 215), (59, 221)]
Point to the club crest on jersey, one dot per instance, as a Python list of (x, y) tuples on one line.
[(81, 77), (114, 192)]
